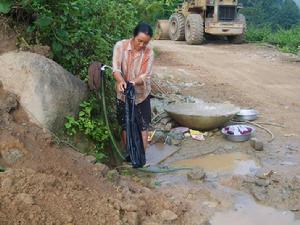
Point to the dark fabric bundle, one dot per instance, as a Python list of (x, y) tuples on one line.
[(134, 140)]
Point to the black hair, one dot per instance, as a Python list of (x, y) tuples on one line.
[(143, 28)]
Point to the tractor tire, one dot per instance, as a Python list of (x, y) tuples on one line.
[(239, 39), (194, 29), (176, 29)]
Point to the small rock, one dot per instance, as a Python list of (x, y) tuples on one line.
[(264, 173), (165, 121), (159, 136), (132, 218), (11, 156), (168, 126), (150, 223), (129, 207), (258, 194), (196, 174), (187, 135), (262, 182), (295, 184), (113, 176), (7, 184), (91, 159), (256, 144), (168, 215), (26, 198), (69, 218), (101, 169)]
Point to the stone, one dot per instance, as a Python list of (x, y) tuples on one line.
[(69, 218), (258, 194), (262, 182), (150, 223), (196, 174), (129, 207), (165, 121), (168, 215), (47, 92), (132, 218), (8, 102), (6, 184), (256, 144), (26, 198), (91, 159), (101, 169), (159, 137), (168, 126), (11, 156), (113, 176), (264, 173)]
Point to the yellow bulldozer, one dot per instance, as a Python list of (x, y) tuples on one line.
[(195, 19)]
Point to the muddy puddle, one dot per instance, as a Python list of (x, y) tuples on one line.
[(248, 212), (237, 163)]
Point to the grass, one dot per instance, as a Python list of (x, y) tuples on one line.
[(285, 40)]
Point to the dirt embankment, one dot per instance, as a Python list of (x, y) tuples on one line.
[(50, 184)]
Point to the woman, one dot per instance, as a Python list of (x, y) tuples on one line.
[(132, 62)]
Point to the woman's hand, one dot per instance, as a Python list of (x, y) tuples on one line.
[(121, 86), (132, 82)]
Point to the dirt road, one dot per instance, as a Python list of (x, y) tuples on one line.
[(247, 75)]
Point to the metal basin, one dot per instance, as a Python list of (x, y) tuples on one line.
[(246, 115), (238, 138), (202, 116)]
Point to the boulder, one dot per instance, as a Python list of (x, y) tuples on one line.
[(47, 92)]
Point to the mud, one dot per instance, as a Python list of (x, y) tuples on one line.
[(234, 193), (248, 212), (236, 163)]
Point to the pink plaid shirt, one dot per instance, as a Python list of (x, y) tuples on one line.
[(132, 66)]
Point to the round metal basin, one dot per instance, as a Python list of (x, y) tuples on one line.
[(202, 116), (246, 115)]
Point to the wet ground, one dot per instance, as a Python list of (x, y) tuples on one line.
[(232, 183)]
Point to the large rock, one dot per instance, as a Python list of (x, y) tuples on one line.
[(47, 91)]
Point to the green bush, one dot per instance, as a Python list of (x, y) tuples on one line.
[(285, 40)]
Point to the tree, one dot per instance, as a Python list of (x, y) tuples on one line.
[(289, 14)]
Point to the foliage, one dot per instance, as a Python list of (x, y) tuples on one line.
[(91, 124), (274, 13), (273, 21), (286, 40), (149, 10), (78, 31)]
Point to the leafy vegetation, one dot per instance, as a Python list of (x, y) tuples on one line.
[(285, 40), (275, 22), (91, 124)]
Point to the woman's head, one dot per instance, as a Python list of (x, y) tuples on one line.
[(142, 35)]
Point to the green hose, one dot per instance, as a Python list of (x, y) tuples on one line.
[(102, 96), (155, 169), (2, 169)]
